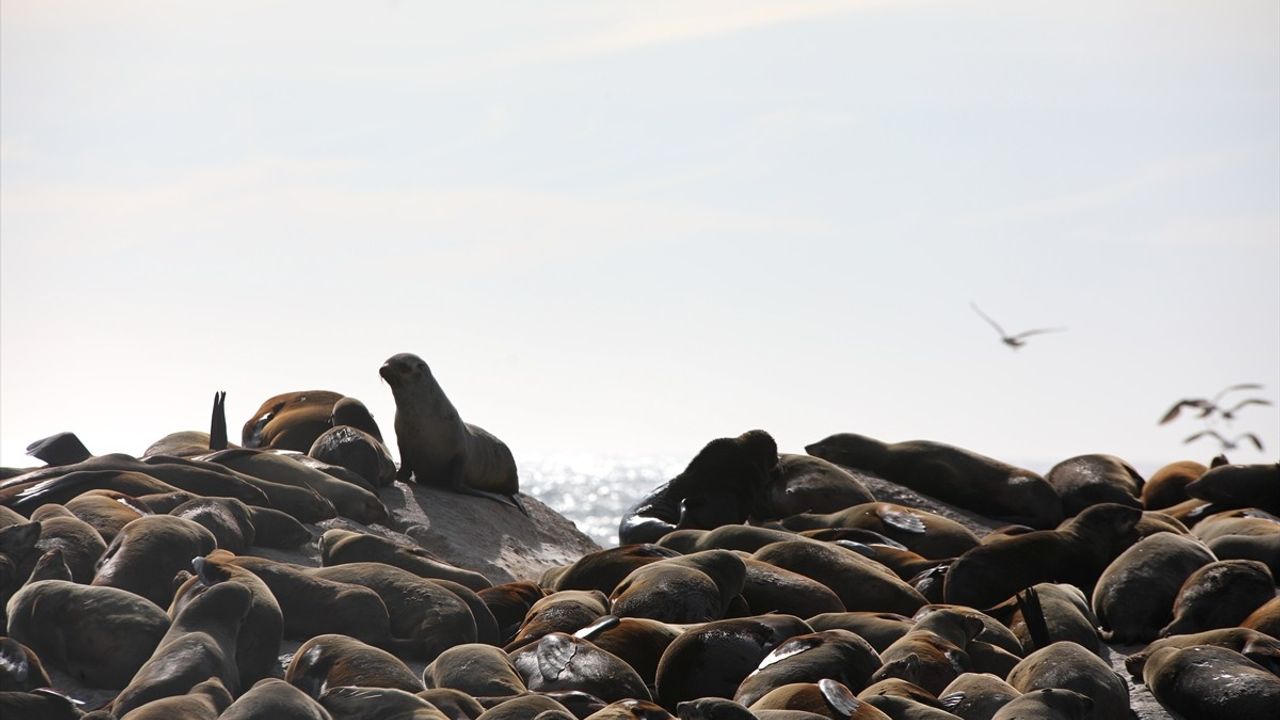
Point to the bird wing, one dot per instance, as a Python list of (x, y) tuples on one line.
[(1173, 411), (1253, 439), (1250, 401), (1242, 386), (988, 319), (1202, 433), (1039, 331)]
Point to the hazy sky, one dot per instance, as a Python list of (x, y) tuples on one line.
[(633, 227)]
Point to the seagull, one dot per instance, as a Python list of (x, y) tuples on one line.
[(1013, 341), (1208, 407), (1226, 444)]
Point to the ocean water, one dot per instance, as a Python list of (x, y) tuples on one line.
[(593, 491)]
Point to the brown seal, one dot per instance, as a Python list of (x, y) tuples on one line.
[(1135, 595), (328, 661), (1240, 486), (604, 569), (106, 510), (1065, 612), (98, 635), (1087, 480), (558, 661), (1265, 619), (205, 701), (20, 667), (509, 603), (932, 654), (258, 640), (640, 642), (836, 654), (971, 481), (1219, 595), (148, 552), (1168, 486), (825, 698), (357, 451), (879, 629), (1076, 553), (564, 611), (290, 421), (861, 584), (1067, 666), (632, 710), (476, 669), (227, 519), (436, 446), (1210, 682), (769, 588), (453, 703), (692, 588), (352, 501), (808, 484), (199, 644), (1257, 646), (927, 534), (81, 545), (366, 703), (275, 698), (977, 695), (339, 546), (721, 486), (715, 658), (1047, 704), (899, 698)]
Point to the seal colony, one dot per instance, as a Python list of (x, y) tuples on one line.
[(282, 578)]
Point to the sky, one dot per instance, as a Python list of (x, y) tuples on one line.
[(629, 228)]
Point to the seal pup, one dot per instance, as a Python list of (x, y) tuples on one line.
[(476, 669), (80, 543), (1168, 486), (1067, 666), (339, 546), (692, 588), (808, 484), (290, 421), (1207, 683), (955, 475), (976, 696), (860, 583), (149, 551)]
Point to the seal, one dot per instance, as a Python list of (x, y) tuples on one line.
[(640, 642), (861, 584), (563, 611), (1067, 666), (899, 698), (98, 635), (205, 701), (722, 485), (978, 695), (339, 546), (1076, 553), (920, 531), (634, 710), (835, 654), (558, 661), (509, 603), (879, 629), (42, 704), (20, 668), (148, 552), (1219, 595), (526, 707), (227, 519), (275, 698), (1064, 611), (932, 654), (328, 661), (808, 484), (1047, 704), (769, 588), (475, 669), (1265, 619), (1135, 595), (1240, 486), (107, 511), (1210, 682), (436, 446), (971, 481), (357, 451), (258, 640), (713, 659), (604, 569), (365, 703), (200, 644), (692, 588), (1086, 480), (80, 544), (352, 501), (1257, 646), (825, 698), (1168, 486), (290, 421), (453, 703)]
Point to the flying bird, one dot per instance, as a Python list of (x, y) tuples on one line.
[(1013, 341), (1208, 407), (1226, 444)]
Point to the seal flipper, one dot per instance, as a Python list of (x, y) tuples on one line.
[(218, 423), (63, 448)]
